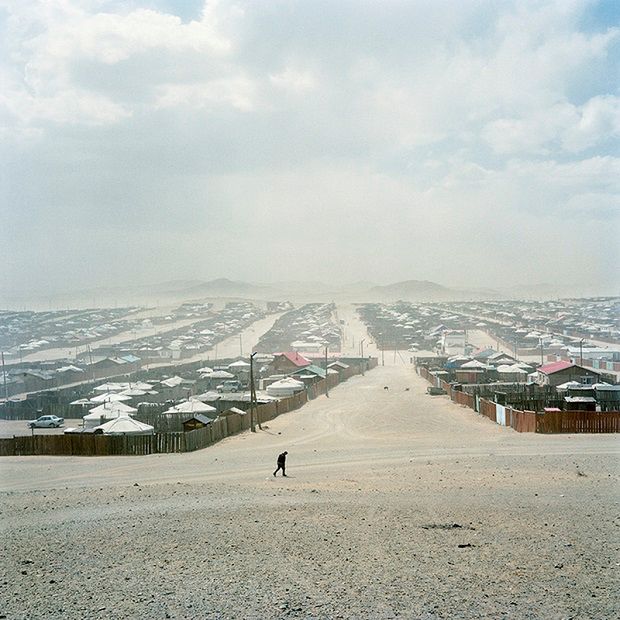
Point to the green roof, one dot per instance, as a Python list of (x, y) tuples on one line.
[(314, 369)]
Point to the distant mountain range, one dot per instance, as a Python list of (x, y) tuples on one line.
[(409, 290), (412, 290), (176, 291)]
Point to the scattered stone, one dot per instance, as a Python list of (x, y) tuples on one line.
[(446, 526)]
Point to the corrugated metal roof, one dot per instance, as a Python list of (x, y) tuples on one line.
[(295, 358), (553, 367)]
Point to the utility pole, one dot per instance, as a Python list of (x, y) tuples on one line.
[(252, 394), (6, 389), (581, 352), (90, 361), (542, 353), (363, 340), (326, 384), (382, 354), (240, 346)]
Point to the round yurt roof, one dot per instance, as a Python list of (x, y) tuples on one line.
[(141, 385), (239, 364), (606, 387), (473, 364), (191, 406), (221, 374), (133, 392), (109, 410), (111, 387), (287, 383), (210, 396), (109, 398), (568, 384), (124, 425), (511, 368)]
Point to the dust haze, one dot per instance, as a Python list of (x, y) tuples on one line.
[(373, 244), (470, 145)]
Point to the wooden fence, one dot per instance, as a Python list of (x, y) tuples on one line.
[(463, 398), (530, 421), (578, 422), (487, 408), (523, 421), (91, 445), (165, 440)]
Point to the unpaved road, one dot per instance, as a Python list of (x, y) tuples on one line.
[(229, 348), (397, 505), (252, 332)]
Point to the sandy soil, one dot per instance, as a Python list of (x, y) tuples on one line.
[(19, 428), (397, 504)]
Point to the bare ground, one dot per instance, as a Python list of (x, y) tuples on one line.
[(397, 505)]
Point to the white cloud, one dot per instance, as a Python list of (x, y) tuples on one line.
[(49, 38), (599, 119), (403, 127), (238, 92), (561, 126), (294, 80)]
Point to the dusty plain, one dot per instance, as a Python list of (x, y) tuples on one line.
[(397, 505)]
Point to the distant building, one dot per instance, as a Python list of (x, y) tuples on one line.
[(286, 363), (500, 359), (37, 380), (453, 341), (593, 353), (557, 373)]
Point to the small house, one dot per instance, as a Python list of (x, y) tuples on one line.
[(557, 373), (286, 363), (198, 420)]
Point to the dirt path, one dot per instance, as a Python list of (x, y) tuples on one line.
[(397, 504)]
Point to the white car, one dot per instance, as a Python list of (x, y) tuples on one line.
[(47, 421)]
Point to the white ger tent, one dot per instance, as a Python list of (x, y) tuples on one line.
[(285, 387), (107, 411), (191, 406), (124, 425), (109, 398)]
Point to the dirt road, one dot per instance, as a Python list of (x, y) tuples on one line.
[(397, 504)]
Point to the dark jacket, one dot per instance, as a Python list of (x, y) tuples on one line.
[(281, 459)]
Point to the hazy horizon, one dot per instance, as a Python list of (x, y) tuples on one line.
[(471, 144)]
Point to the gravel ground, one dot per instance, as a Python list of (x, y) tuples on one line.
[(20, 428), (397, 505)]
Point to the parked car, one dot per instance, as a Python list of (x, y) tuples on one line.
[(46, 421), (230, 386)]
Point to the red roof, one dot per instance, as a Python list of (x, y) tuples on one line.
[(549, 369), (296, 358)]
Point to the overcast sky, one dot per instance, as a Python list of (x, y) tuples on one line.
[(472, 143)]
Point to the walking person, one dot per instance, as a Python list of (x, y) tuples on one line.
[(281, 464)]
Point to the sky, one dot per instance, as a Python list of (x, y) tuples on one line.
[(467, 142)]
